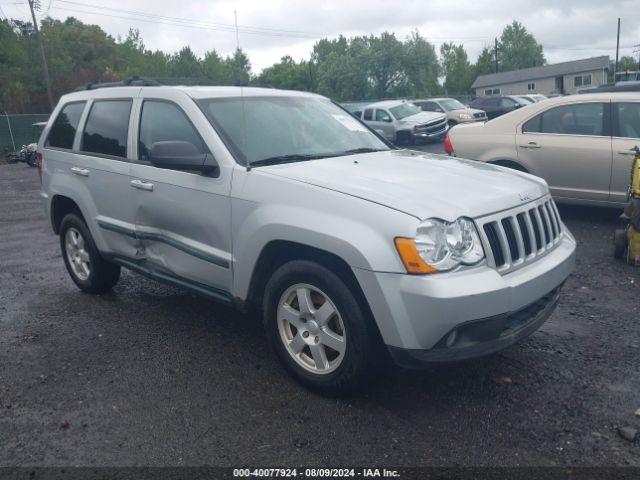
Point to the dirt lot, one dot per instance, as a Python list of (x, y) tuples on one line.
[(152, 375)]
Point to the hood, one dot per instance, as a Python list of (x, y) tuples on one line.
[(422, 117), (420, 184)]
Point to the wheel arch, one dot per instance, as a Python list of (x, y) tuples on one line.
[(277, 252), (509, 163), (61, 205)]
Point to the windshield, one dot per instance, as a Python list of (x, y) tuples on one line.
[(452, 104), (522, 100), (288, 128), (404, 110)]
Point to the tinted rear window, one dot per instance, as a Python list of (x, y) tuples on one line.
[(106, 129), (64, 128)]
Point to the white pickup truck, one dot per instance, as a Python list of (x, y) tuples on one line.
[(401, 122)]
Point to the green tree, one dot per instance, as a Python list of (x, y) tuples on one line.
[(289, 75), (185, 64), (485, 63), (517, 49), (237, 68), (456, 69), (421, 67)]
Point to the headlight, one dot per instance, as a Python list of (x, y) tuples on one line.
[(465, 116), (440, 246)]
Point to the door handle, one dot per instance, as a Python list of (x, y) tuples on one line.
[(142, 185), (83, 172), (531, 145)]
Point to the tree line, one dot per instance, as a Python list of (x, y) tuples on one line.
[(356, 68)]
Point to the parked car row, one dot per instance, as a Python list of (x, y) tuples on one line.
[(405, 121), (582, 145)]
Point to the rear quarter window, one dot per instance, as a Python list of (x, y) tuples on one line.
[(64, 128)]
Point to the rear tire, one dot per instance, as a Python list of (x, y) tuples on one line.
[(89, 271), (318, 329)]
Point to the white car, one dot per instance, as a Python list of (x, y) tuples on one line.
[(582, 145), (400, 121)]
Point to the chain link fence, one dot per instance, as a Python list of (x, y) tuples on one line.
[(18, 130)]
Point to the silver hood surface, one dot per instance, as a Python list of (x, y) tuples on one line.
[(422, 117), (420, 184)]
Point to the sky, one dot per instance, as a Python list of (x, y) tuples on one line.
[(270, 29)]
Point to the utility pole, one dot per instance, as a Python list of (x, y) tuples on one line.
[(636, 49), (495, 53), (615, 70), (34, 5)]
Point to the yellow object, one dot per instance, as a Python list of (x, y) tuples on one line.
[(633, 236), (412, 260), (635, 177)]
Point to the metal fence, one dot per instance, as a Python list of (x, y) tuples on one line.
[(18, 130)]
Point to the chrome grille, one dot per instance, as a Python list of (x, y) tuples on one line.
[(517, 237), (433, 126)]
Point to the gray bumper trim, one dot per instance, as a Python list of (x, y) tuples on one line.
[(482, 337)]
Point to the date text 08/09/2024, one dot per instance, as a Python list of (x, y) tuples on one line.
[(316, 473)]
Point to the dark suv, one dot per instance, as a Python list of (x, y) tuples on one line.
[(498, 105)]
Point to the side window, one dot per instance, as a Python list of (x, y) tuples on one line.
[(532, 125), (164, 121), (382, 116), (63, 130), (492, 102), (106, 129), (507, 102), (626, 120), (368, 114), (429, 106), (578, 119)]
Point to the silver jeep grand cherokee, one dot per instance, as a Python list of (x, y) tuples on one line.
[(284, 202)]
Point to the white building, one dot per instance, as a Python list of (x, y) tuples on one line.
[(559, 78)]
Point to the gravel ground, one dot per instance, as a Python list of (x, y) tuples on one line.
[(152, 375)]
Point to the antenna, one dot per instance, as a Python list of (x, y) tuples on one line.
[(235, 16)]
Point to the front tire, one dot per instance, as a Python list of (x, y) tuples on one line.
[(88, 270), (318, 329)]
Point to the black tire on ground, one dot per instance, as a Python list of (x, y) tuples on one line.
[(404, 138), (103, 274), (363, 345), (619, 244)]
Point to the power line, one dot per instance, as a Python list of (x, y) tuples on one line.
[(182, 20), (179, 24)]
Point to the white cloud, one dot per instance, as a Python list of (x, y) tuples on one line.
[(568, 30)]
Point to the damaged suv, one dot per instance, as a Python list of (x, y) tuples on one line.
[(282, 203)]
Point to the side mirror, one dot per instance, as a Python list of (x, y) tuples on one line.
[(387, 119), (439, 110), (181, 155)]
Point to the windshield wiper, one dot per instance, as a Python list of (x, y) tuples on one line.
[(296, 157), (353, 151)]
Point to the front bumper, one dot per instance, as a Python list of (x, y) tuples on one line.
[(430, 135), (417, 313), (477, 338)]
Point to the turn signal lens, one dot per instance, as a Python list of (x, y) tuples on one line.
[(411, 259)]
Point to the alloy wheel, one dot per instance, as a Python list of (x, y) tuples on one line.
[(311, 328)]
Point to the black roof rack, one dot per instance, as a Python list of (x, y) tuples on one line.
[(134, 81)]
